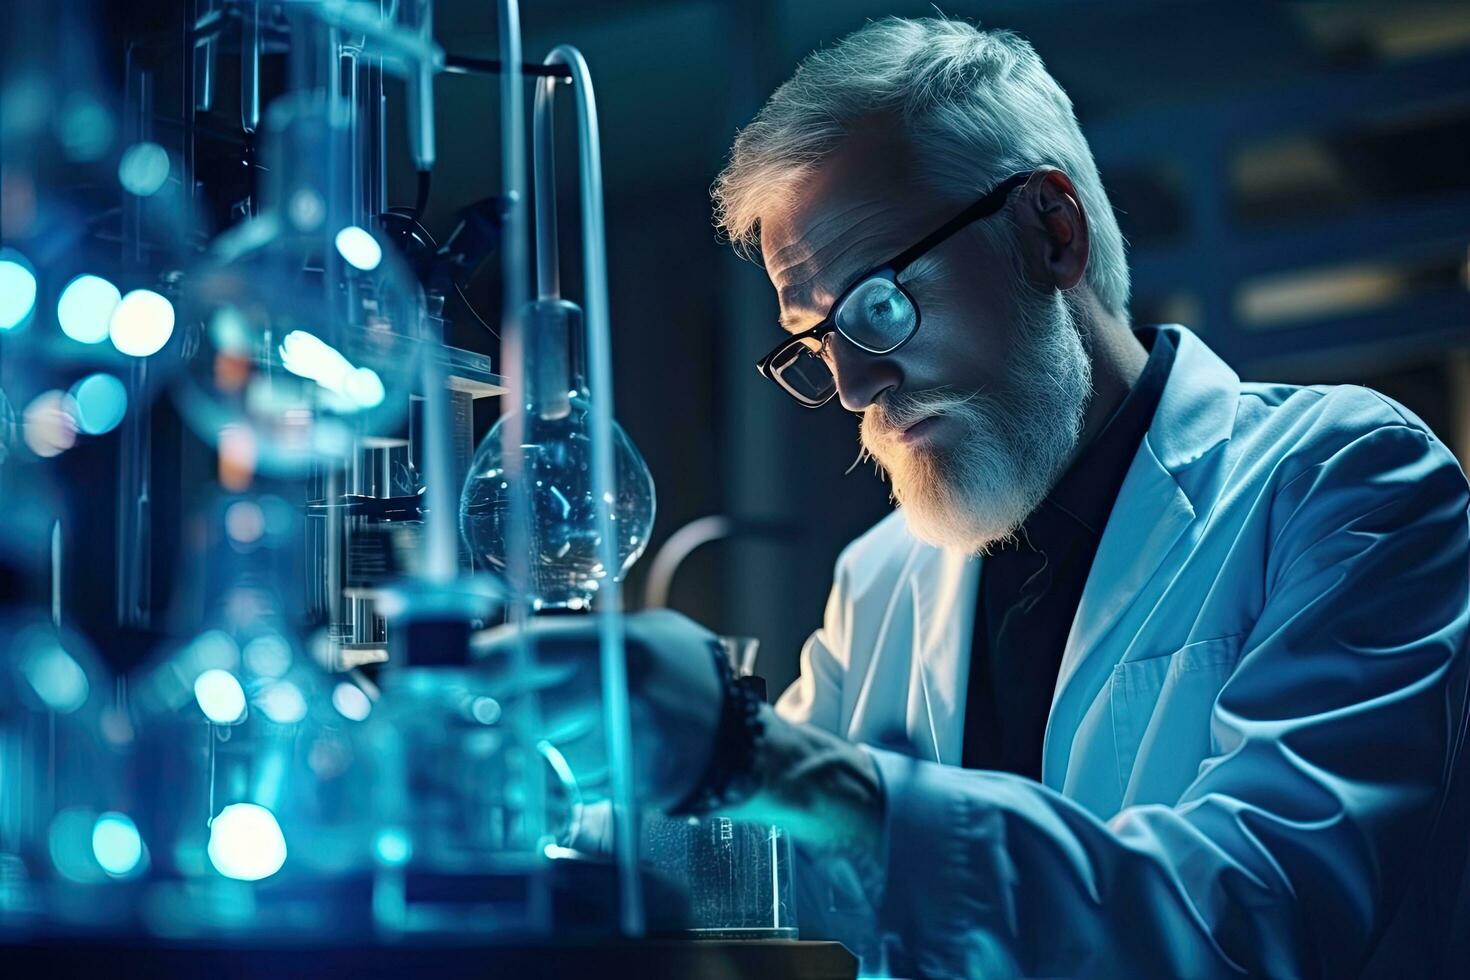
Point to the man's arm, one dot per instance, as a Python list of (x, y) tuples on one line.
[(1286, 855)]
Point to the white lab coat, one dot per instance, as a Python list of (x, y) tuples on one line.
[(1257, 712)]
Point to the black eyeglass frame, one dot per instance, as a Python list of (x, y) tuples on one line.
[(985, 207)]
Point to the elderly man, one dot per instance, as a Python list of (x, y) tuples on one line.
[(1153, 671)]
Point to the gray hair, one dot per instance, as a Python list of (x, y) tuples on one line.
[(979, 106)]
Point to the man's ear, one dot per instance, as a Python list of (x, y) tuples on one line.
[(1056, 243)]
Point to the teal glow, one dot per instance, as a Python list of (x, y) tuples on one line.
[(364, 387), (349, 700), (213, 648), (230, 331), (282, 703), (69, 840), (280, 517), (485, 710), (101, 401), (57, 679), (142, 323), (86, 307), (116, 844), (85, 127), (220, 696), (307, 356), (17, 290), (359, 248), (268, 655), (393, 847), (246, 843), (143, 169)]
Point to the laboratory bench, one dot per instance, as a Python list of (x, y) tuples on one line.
[(652, 959)]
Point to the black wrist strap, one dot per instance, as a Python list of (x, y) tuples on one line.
[(729, 778)]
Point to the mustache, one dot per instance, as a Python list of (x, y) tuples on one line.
[(898, 411)]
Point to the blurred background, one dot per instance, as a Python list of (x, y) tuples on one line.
[(1293, 179)]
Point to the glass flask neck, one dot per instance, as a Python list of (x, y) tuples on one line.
[(555, 377), (303, 149)]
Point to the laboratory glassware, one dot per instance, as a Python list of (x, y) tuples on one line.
[(308, 326), (251, 758), (567, 560), (70, 848), (736, 875)]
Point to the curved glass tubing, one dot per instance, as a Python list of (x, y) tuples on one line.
[(616, 712)]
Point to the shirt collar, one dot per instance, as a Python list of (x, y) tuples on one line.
[(1084, 496)]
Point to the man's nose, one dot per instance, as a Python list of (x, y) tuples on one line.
[(861, 377)]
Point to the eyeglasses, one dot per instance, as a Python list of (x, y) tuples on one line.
[(875, 314)]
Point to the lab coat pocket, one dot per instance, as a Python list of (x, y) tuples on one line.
[(1161, 710)]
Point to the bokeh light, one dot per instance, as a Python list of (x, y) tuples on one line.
[(485, 710), (116, 844), (268, 655), (69, 839), (220, 696), (86, 307), (143, 169), (142, 323), (17, 289), (360, 249), (246, 843), (237, 457), (85, 127), (244, 522), (351, 702), (393, 847), (49, 424), (53, 674), (283, 703), (101, 402), (349, 388)]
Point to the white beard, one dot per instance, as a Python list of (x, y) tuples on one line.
[(1015, 445)]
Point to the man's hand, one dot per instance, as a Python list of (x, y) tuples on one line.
[(674, 692), (823, 790)]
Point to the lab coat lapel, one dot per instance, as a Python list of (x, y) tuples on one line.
[(939, 589), (1150, 515), (1152, 512)]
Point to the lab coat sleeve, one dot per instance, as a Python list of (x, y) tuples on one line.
[(1335, 733), (834, 898)]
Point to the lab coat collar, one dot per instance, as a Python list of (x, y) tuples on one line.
[(1196, 413)]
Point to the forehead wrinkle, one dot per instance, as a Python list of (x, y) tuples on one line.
[(803, 244), (800, 279)]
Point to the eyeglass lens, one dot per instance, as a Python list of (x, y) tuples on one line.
[(877, 315), (805, 374)]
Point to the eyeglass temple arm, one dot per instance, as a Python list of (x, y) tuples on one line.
[(983, 208)]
